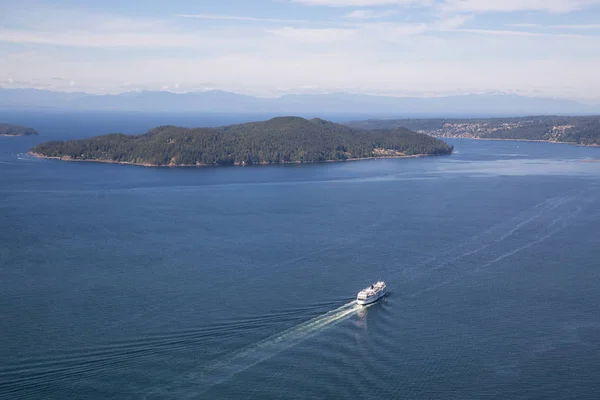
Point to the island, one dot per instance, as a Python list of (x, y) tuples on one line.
[(276, 141), (581, 130), (16, 130)]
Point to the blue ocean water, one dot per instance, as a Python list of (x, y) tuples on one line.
[(128, 282)]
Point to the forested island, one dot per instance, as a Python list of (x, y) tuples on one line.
[(583, 130), (278, 140), (16, 130)]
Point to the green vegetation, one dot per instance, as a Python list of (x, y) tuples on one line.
[(15, 130), (581, 130), (279, 140)]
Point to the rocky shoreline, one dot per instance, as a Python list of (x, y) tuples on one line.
[(66, 158)]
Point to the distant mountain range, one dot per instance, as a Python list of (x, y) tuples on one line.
[(300, 104)]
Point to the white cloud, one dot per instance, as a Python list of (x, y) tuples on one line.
[(477, 6), (369, 14), (568, 26), (397, 32), (362, 3), (499, 32), (359, 55), (95, 39), (480, 6), (451, 22), (76, 28), (428, 69), (327, 35), (392, 32), (54, 18), (243, 18), (577, 26), (524, 25)]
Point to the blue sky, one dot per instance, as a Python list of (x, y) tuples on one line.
[(271, 47)]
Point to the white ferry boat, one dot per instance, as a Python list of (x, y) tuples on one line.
[(372, 293)]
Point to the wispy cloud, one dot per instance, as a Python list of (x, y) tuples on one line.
[(476, 6), (577, 26), (364, 47), (363, 3), (498, 32), (76, 28), (369, 14), (243, 18), (481, 6), (523, 25), (564, 26), (50, 19), (103, 39), (398, 32), (327, 35)]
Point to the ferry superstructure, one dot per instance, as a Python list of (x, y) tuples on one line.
[(372, 293)]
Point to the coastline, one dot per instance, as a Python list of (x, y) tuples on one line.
[(20, 135), (66, 158), (520, 140)]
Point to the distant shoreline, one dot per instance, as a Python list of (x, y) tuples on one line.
[(66, 158), (522, 140), (16, 130)]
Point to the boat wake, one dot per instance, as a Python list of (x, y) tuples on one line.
[(221, 370), (501, 241)]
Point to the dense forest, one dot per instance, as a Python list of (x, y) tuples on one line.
[(279, 140), (15, 130), (583, 130)]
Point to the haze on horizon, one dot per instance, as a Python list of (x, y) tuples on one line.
[(273, 47)]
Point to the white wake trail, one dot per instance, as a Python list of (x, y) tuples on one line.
[(221, 370), (487, 236)]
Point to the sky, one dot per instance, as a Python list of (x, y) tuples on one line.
[(547, 48)]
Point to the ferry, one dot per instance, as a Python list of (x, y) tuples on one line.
[(372, 293)]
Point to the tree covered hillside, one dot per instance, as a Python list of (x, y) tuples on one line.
[(16, 130), (279, 140)]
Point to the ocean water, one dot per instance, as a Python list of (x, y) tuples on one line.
[(124, 282)]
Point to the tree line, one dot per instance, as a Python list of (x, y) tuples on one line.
[(279, 140), (16, 130)]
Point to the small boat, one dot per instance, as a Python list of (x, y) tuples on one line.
[(372, 293)]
